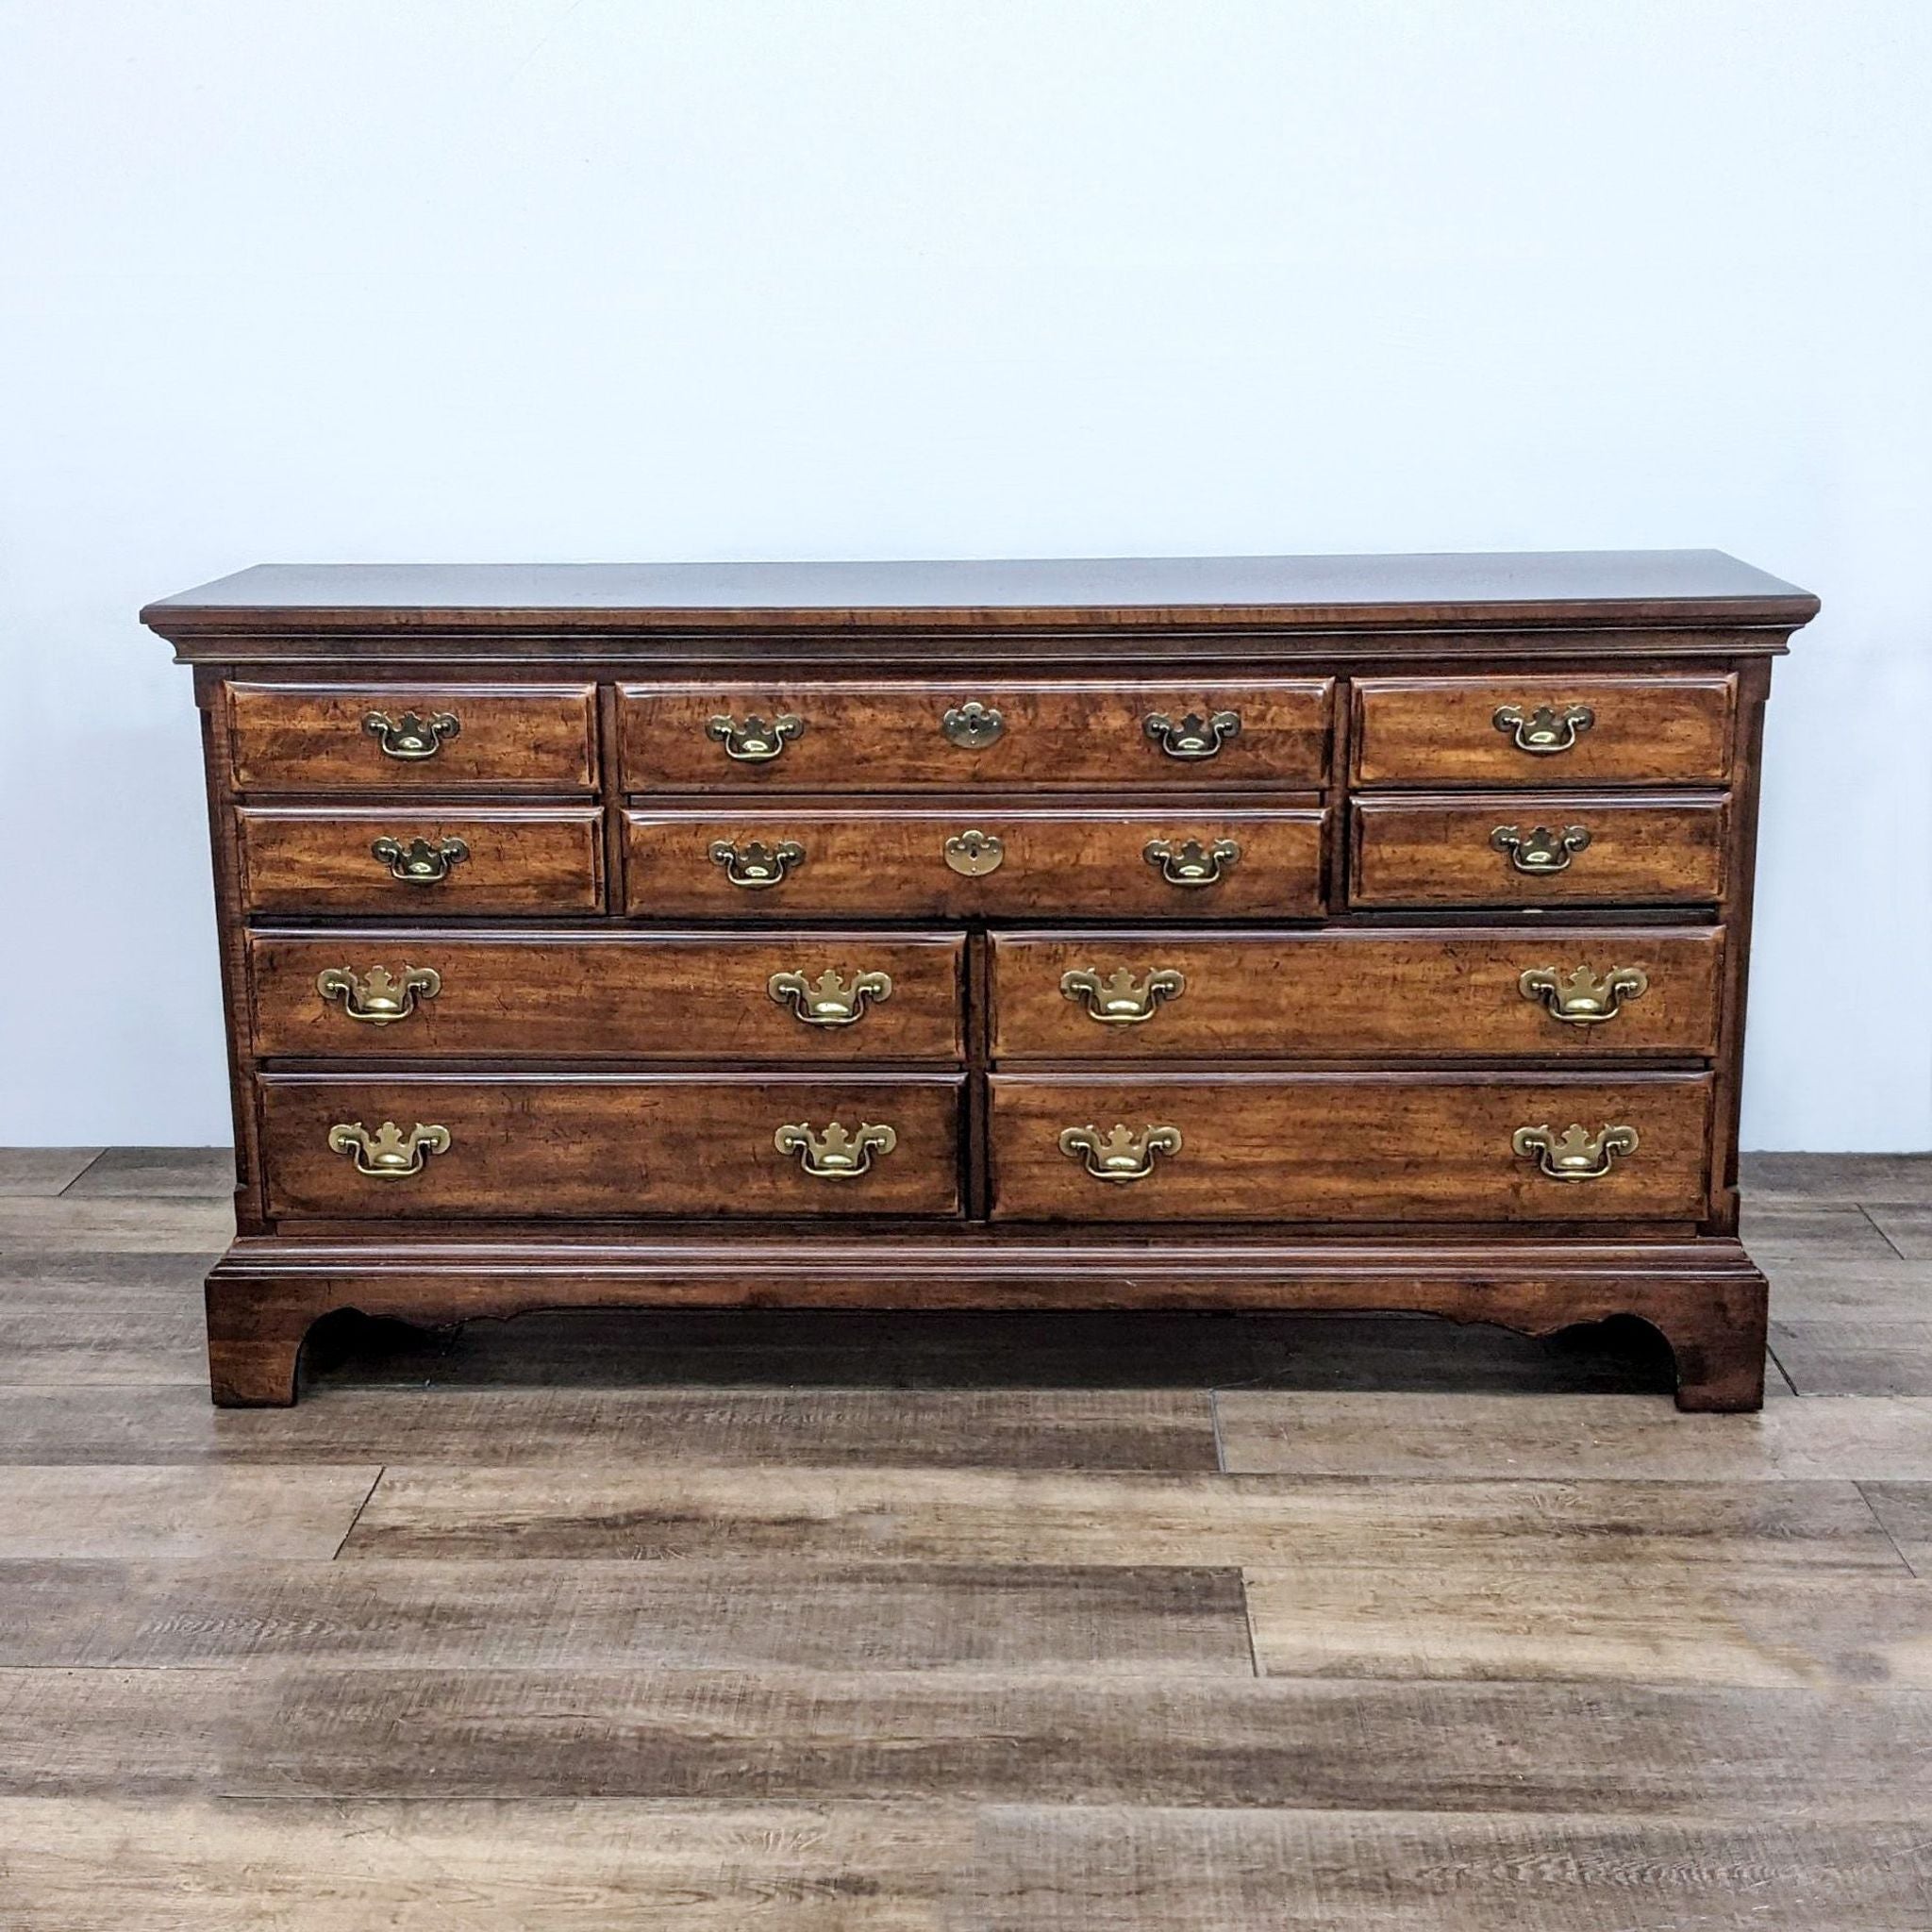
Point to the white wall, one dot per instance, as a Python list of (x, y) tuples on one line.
[(299, 279)]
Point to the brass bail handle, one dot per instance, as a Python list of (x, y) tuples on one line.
[(388, 1153), (410, 738), (1542, 850), (1119, 1155), (1121, 998), (755, 742), (378, 997), (1190, 864), (831, 999), (1544, 731), (1193, 736), (418, 863), (1575, 1153), (1584, 998), (834, 1153), (755, 866)]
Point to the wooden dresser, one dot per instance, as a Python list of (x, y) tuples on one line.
[(1332, 933)]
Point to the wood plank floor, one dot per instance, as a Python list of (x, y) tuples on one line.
[(899, 1623)]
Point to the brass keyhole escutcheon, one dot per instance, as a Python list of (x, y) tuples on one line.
[(1192, 738), (1574, 1155), (388, 1153), (1120, 1154), (1584, 998), (830, 999), (1544, 731), (1121, 999), (755, 866), (833, 1153), (971, 727), (418, 863), (1542, 850), (410, 738), (755, 743), (378, 997), (975, 854)]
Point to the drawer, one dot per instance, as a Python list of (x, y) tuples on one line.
[(835, 736), (1335, 1147), (587, 1148), (411, 737), (1540, 728), (1538, 993), (985, 858), (515, 859), (560, 996), (1553, 849)]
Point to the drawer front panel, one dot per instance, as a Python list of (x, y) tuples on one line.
[(681, 997), (1341, 1148), (694, 1145), (412, 738), (1540, 728), (1547, 850), (950, 737), (1141, 996), (508, 859), (881, 864)]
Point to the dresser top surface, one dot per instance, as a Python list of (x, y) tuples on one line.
[(1448, 591)]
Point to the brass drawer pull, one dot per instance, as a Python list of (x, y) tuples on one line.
[(1542, 851), (1120, 1154), (1584, 998), (378, 997), (410, 738), (1194, 737), (971, 727), (755, 743), (1190, 865), (418, 863), (972, 855), (388, 1153), (1120, 1000), (1544, 731), (756, 866), (1573, 1154), (835, 1155), (828, 1000)]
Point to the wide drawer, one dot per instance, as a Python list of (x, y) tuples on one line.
[(1543, 728), (989, 858), (514, 859), (1538, 992), (839, 737), (411, 737), (589, 1147), (559, 995), (1338, 1148), (1551, 849)]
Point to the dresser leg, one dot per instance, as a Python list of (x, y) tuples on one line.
[(255, 1336), (1719, 1343)]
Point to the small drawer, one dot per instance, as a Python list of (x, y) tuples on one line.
[(990, 858), (559, 995), (515, 1147), (1546, 850), (411, 737), (1332, 1148), (1542, 994), (401, 859), (1543, 727), (832, 737)]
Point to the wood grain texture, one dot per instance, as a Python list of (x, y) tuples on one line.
[(1838, 1177), (157, 1174), (1907, 1226), (873, 861), (521, 858), (812, 1515), (1904, 1508), (562, 995), (40, 1172), (511, 739), (660, 1145), (107, 1511), (1338, 1148), (1345, 992), (412, 1615), (1576, 1437), (757, 1737), (1554, 1620), (62, 1342), (562, 1865), (1661, 851), (1643, 730), (873, 737), (1854, 1358), (33, 1227)]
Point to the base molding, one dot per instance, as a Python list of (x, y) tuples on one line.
[(1704, 1296)]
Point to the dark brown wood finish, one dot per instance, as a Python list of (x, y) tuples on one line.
[(1416, 1039), (875, 737)]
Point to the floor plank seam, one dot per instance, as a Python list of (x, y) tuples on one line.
[(82, 1175), (373, 1486), (1872, 1221), (1877, 1516)]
